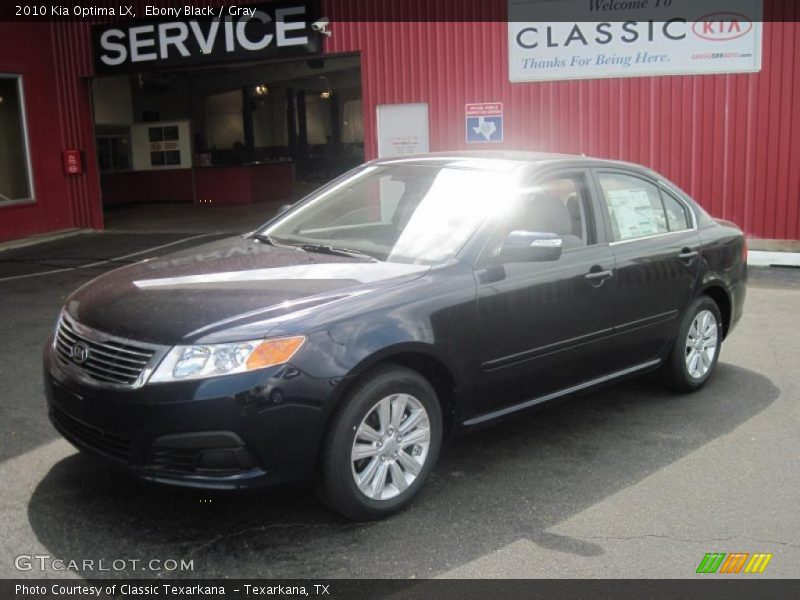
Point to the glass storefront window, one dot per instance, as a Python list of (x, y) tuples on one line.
[(15, 177), (114, 152)]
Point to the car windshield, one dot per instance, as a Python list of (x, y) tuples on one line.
[(396, 213)]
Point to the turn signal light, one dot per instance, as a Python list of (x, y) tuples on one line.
[(274, 352)]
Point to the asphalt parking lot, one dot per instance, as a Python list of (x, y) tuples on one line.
[(630, 482)]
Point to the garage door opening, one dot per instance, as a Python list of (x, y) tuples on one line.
[(257, 135)]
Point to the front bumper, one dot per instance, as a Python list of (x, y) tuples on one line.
[(236, 431)]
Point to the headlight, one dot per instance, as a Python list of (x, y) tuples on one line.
[(211, 360)]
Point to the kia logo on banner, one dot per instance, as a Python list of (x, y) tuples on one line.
[(720, 27), (275, 29)]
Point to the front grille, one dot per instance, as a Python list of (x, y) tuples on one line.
[(107, 359), (104, 442)]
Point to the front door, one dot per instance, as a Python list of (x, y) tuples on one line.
[(544, 326)]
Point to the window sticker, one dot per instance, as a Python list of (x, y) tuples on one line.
[(633, 213)]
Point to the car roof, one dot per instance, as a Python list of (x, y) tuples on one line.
[(502, 160)]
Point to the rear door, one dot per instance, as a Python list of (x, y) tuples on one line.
[(656, 248), (544, 326)]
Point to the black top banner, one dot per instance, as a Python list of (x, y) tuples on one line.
[(181, 36)]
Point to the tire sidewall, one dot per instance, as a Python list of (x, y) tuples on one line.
[(342, 491)]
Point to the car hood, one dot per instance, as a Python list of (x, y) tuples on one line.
[(225, 291)]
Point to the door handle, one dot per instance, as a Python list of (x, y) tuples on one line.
[(688, 255), (597, 278)]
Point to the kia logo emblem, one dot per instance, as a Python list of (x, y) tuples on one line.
[(722, 26), (80, 353)]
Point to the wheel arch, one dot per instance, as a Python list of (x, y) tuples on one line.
[(720, 295), (417, 357)]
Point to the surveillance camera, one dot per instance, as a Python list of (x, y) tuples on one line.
[(321, 26)]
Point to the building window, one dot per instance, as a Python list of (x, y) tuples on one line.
[(15, 175), (164, 146), (114, 149)]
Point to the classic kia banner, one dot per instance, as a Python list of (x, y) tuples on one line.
[(591, 39)]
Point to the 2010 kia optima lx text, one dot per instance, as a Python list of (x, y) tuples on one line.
[(410, 299)]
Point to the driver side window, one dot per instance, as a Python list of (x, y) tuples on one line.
[(559, 205)]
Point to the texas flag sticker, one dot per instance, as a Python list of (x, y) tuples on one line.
[(484, 122)]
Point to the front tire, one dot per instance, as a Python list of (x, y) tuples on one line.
[(695, 352), (382, 444)]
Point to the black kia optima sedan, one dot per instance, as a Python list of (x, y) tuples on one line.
[(412, 298)]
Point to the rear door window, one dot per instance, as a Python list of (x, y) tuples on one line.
[(634, 206)]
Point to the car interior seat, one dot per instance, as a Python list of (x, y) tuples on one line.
[(574, 208), (546, 213)]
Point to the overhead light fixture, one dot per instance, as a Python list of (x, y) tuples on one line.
[(327, 92), (261, 90)]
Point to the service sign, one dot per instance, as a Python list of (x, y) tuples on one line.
[(590, 39), (273, 29)]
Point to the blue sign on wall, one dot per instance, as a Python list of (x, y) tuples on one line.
[(484, 122)]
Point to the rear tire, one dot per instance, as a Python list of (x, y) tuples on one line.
[(382, 444), (694, 354)]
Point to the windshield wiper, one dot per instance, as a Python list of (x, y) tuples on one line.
[(321, 248), (326, 249), (266, 239)]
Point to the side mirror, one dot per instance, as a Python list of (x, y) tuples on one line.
[(531, 246), (283, 209)]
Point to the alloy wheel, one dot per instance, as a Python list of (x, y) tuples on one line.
[(701, 344), (390, 446)]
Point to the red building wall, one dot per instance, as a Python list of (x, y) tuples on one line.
[(731, 141), (59, 117)]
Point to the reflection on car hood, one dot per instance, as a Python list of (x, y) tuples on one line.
[(211, 291)]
